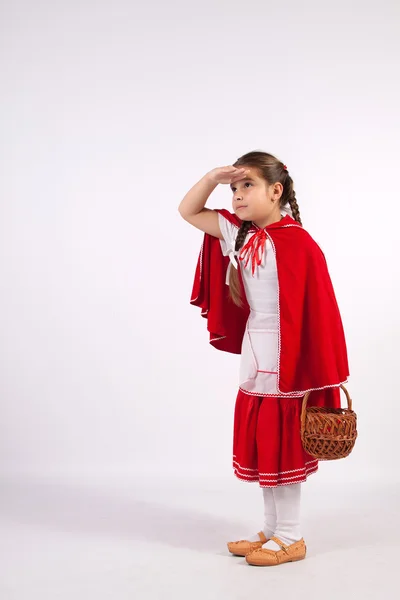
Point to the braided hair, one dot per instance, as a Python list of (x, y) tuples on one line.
[(234, 284), (295, 207)]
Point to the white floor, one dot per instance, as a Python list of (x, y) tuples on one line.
[(73, 540)]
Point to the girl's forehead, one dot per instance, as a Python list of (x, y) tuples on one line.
[(252, 173)]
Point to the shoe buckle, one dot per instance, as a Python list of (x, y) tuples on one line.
[(281, 546)]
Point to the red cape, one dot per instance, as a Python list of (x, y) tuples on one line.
[(312, 346)]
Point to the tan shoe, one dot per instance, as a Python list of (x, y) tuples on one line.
[(243, 547), (265, 557)]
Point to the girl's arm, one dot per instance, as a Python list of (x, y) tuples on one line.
[(192, 208)]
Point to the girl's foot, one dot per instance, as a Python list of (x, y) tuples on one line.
[(243, 547), (288, 553)]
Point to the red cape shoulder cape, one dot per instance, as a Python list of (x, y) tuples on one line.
[(312, 346)]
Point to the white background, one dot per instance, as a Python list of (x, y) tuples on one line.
[(110, 112)]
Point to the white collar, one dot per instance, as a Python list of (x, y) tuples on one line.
[(286, 210)]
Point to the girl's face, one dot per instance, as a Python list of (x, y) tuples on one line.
[(255, 200)]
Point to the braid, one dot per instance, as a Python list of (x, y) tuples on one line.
[(234, 284), (295, 207), (241, 236)]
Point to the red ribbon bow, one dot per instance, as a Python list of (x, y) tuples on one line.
[(254, 249)]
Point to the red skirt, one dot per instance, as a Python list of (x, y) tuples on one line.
[(267, 443)]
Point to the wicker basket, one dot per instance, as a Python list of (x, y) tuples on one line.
[(328, 433)]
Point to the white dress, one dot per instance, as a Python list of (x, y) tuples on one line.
[(259, 354)]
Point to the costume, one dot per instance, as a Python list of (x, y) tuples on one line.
[(289, 334)]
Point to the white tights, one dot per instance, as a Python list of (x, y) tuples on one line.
[(281, 515)]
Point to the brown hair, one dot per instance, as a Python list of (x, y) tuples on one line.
[(272, 170)]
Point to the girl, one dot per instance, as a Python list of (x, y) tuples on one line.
[(263, 285)]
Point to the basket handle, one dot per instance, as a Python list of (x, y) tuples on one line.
[(303, 409)]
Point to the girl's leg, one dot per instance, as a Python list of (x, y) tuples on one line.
[(269, 515), (287, 503)]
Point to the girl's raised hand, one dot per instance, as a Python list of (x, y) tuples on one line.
[(227, 174), (193, 209)]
